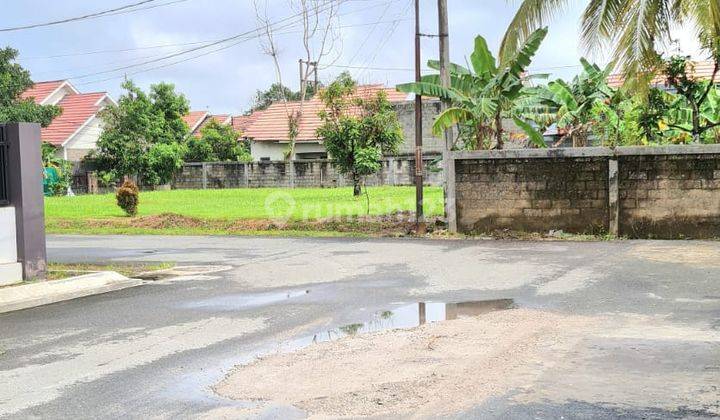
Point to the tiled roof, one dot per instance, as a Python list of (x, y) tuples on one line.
[(703, 71), (77, 110), (221, 118), (241, 123), (41, 90), (194, 118), (272, 124)]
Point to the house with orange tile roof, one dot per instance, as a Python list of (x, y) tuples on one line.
[(701, 70), (76, 131), (196, 120), (268, 132)]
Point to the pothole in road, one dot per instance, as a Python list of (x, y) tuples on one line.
[(404, 317), (181, 271)]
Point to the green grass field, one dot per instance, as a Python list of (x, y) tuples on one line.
[(213, 211)]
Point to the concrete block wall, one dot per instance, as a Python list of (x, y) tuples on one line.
[(670, 195), (639, 192), (532, 194), (302, 173)]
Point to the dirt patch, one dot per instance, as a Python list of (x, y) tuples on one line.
[(695, 254), (399, 224), (434, 369)]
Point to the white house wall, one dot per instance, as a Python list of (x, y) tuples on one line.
[(84, 141), (276, 151)]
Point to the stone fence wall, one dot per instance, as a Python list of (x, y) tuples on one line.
[(305, 173), (640, 192)]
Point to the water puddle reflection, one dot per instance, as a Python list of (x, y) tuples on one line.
[(404, 317)]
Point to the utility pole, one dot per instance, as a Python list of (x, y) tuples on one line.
[(419, 216), (304, 77), (444, 55)]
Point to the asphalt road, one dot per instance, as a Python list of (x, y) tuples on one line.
[(155, 350)]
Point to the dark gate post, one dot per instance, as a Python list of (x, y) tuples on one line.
[(25, 184)]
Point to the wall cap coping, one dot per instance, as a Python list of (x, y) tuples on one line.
[(576, 152)]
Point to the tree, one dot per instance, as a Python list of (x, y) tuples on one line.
[(696, 109), (631, 28), (14, 80), (144, 135), (217, 143), (357, 131), (277, 93), (481, 96), (319, 33), (569, 105)]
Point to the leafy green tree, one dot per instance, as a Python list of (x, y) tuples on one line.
[(483, 95), (631, 28), (569, 105), (217, 143), (357, 131), (14, 80), (276, 93), (144, 135), (696, 107)]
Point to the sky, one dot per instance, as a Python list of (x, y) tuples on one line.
[(374, 43)]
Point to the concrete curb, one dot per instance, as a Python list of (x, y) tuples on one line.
[(43, 293)]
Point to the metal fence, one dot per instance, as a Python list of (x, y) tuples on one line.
[(4, 193)]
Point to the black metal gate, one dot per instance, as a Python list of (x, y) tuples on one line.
[(4, 193)]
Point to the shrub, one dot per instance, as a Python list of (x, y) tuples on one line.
[(128, 197)]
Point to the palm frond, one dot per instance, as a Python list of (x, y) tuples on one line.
[(482, 59), (599, 23), (430, 89), (519, 62), (531, 15), (449, 118), (535, 136), (452, 67)]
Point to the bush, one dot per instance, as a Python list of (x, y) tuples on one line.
[(128, 197)]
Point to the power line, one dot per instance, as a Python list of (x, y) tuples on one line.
[(182, 44), (238, 38), (129, 8)]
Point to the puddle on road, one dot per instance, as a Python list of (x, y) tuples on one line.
[(403, 317)]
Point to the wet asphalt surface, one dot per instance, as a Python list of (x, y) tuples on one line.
[(155, 350)]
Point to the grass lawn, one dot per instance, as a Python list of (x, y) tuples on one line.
[(212, 211)]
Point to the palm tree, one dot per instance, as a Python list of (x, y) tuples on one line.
[(481, 96), (632, 28)]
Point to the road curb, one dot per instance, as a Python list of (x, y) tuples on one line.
[(30, 295)]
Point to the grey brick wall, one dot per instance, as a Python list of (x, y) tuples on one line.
[(664, 192), (311, 173), (532, 194), (670, 195)]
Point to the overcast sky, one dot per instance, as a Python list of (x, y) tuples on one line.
[(373, 33)]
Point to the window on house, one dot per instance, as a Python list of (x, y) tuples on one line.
[(310, 156), (264, 159)]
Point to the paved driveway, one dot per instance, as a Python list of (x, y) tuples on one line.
[(155, 350)]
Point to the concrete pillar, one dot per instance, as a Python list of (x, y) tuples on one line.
[(613, 198), (450, 202), (25, 182), (247, 174), (391, 171), (204, 176)]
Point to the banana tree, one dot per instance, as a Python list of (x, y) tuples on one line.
[(569, 105), (482, 94)]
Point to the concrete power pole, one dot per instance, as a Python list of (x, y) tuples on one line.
[(419, 216), (444, 55)]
